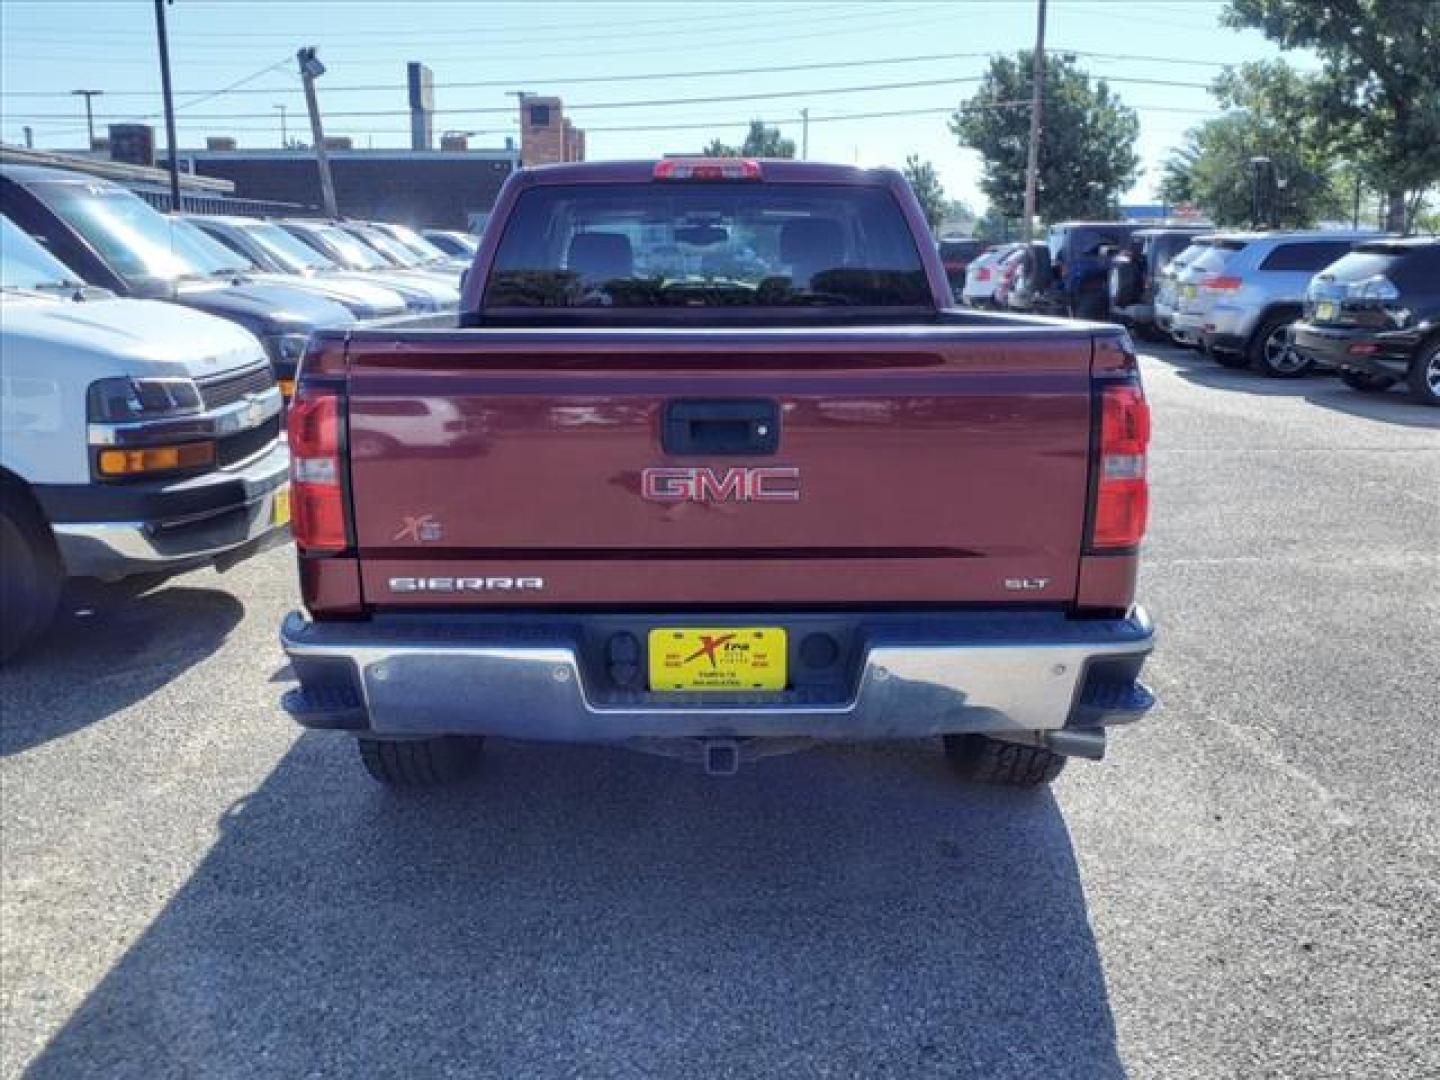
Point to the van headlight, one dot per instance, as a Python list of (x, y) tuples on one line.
[(125, 400)]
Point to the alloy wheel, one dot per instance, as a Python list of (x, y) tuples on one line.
[(1280, 355)]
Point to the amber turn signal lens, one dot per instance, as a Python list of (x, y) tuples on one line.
[(153, 459), (287, 388)]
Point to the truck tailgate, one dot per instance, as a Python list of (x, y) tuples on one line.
[(917, 465)]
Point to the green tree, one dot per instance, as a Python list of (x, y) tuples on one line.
[(761, 141), (928, 190), (1087, 138), (1379, 90), (1269, 115)]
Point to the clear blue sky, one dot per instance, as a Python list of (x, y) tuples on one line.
[(55, 46)]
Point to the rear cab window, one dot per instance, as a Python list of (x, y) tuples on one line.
[(706, 245)]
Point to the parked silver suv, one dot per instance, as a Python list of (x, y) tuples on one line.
[(1251, 288)]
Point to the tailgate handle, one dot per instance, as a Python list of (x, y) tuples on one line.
[(721, 426)]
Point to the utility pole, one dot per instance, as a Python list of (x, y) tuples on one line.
[(284, 133), (169, 104), (804, 134), (89, 115), (311, 69), (1355, 219), (29, 137), (1032, 163)]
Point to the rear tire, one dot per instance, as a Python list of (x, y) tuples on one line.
[(1366, 382), (991, 761), (1424, 376), (30, 575), (421, 762), (1272, 355)]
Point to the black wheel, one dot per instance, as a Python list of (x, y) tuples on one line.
[(991, 761), (30, 575), (1424, 376), (1363, 380), (1272, 354), (420, 762)]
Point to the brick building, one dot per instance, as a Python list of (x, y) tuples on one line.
[(546, 136)]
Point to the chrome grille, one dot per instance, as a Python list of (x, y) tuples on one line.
[(228, 389)]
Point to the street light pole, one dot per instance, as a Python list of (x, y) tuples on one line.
[(1032, 162), (89, 114), (804, 134), (311, 69), (1258, 165), (284, 134), (169, 104)]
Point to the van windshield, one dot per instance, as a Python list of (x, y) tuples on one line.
[(137, 241), (707, 245), (24, 264)]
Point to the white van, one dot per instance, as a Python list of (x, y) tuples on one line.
[(136, 438)]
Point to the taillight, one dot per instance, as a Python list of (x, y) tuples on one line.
[(707, 169), (1122, 494), (317, 494), (1221, 283)]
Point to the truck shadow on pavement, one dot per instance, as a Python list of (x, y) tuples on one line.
[(1327, 391), (583, 911), (102, 662)]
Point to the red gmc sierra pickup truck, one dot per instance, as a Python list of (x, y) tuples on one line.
[(713, 467)]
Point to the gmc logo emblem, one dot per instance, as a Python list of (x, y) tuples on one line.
[(771, 484)]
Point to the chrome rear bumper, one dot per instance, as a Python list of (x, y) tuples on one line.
[(993, 674)]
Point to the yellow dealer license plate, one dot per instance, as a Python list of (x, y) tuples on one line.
[(717, 658), (1324, 311), (280, 513)]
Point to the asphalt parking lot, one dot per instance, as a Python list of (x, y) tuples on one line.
[(1248, 885)]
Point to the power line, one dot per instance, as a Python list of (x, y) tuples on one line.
[(573, 80), (661, 102), (208, 44), (716, 123), (449, 33), (648, 103), (591, 54)]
